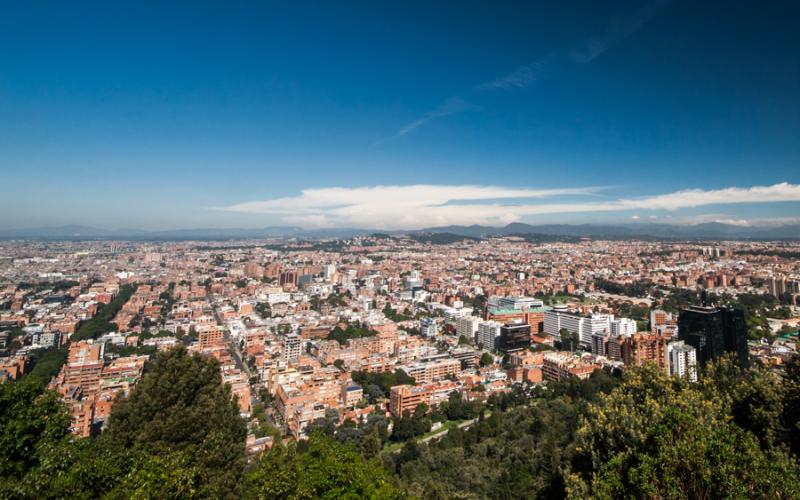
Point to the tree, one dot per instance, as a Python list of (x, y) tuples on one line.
[(790, 416), (569, 339), (657, 436), (101, 322), (385, 381), (32, 420), (371, 444), (181, 405), (326, 469), (47, 364), (374, 393), (351, 332), (486, 359)]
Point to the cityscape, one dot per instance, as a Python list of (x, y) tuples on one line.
[(470, 283)]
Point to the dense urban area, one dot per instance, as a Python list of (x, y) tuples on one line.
[(430, 366)]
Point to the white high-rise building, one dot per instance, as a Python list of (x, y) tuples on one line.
[(488, 333), (623, 326), (584, 326), (597, 323), (467, 326), (682, 360), (560, 317)]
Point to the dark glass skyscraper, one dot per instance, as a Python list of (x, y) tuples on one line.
[(514, 336), (714, 331)]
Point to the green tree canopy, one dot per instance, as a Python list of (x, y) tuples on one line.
[(181, 405), (324, 469), (31, 419), (658, 436)]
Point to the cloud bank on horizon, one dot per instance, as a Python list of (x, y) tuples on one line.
[(421, 206)]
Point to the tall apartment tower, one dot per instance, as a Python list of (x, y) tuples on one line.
[(682, 360), (488, 334), (292, 347), (467, 326)]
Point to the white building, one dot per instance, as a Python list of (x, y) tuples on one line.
[(467, 326), (488, 333), (518, 303), (51, 339), (279, 297), (623, 326), (428, 327), (584, 326), (682, 360), (451, 313)]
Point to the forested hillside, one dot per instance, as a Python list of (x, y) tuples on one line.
[(733, 434)]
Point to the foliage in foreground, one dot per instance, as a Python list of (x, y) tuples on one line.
[(733, 435), (658, 436), (319, 468), (179, 435)]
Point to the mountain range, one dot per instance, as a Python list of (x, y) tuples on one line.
[(709, 231)]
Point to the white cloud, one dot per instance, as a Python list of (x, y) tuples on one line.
[(418, 206), (697, 197), (692, 220)]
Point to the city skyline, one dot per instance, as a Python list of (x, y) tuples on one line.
[(389, 250), (383, 117)]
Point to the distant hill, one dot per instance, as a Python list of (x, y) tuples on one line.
[(435, 238), (710, 231), (543, 232)]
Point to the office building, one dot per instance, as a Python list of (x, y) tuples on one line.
[(714, 331), (518, 303), (514, 336), (585, 326)]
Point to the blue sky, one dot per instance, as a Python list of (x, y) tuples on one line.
[(196, 114)]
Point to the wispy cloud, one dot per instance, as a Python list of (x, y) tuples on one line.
[(520, 78), (526, 75), (417, 206), (620, 29), (451, 106)]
